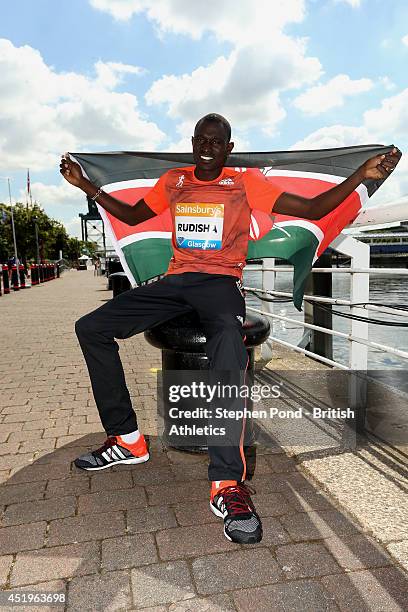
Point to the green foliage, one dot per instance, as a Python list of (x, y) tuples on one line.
[(52, 235)]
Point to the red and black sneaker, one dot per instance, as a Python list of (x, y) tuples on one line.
[(112, 452), (232, 502)]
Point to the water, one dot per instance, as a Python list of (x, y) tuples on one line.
[(383, 289)]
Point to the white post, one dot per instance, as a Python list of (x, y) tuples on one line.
[(268, 283), (359, 293)]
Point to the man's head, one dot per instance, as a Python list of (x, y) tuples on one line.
[(211, 145)]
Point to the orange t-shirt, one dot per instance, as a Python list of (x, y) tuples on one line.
[(211, 218)]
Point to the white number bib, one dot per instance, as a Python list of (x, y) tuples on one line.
[(199, 225)]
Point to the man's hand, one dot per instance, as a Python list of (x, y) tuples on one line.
[(379, 167), (71, 171)]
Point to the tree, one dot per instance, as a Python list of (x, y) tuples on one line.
[(52, 234)]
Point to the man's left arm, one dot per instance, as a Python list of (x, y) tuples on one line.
[(376, 168)]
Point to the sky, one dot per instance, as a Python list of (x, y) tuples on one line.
[(136, 75)]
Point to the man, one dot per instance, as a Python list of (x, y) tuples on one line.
[(210, 207)]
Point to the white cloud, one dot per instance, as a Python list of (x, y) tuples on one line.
[(405, 40), (386, 83), (387, 124), (229, 20), (352, 3), (45, 112), (245, 85), (333, 136), (63, 195), (321, 98), (390, 120)]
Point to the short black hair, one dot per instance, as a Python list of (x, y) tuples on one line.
[(219, 119)]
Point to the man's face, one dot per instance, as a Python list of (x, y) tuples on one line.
[(210, 146)]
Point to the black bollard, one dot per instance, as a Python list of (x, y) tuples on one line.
[(182, 341), (22, 277), (58, 270), (14, 278), (6, 280), (119, 283), (34, 274)]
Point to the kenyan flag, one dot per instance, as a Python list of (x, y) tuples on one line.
[(145, 249)]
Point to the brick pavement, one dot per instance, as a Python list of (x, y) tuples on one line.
[(126, 539)]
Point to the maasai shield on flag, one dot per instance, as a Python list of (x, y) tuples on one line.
[(145, 249)]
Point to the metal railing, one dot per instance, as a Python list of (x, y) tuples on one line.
[(359, 272)]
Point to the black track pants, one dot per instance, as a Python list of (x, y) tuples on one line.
[(221, 308)]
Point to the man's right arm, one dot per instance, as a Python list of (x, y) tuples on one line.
[(131, 215)]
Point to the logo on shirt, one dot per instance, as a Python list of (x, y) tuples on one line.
[(226, 181), (180, 180)]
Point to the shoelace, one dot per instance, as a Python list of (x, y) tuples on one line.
[(107, 445), (237, 499)]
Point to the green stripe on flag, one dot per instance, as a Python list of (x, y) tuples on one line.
[(299, 248), (148, 258)]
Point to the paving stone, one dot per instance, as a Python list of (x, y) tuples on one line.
[(83, 428), (157, 475), (194, 514), (170, 494), (399, 550), (9, 448), (215, 603), (22, 537), (183, 458), (87, 527), (11, 493), (5, 565), (296, 596), (100, 593), (188, 473), (273, 533), (307, 501), (317, 525), (281, 463), (15, 461), (105, 501), (306, 560), (192, 541), (74, 485), (23, 436), (4, 476), (357, 552), (110, 481), (377, 590), (42, 423), (31, 446), (38, 471), (161, 583), (238, 569), (56, 562), (152, 518), (38, 510), (271, 504), (276, 483), (129, 551)]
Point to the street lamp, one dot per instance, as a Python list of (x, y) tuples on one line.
[(6, 178), (36, 239)]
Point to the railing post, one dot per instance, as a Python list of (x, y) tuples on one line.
[(359, 293), (320, 285), (268, 283)]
